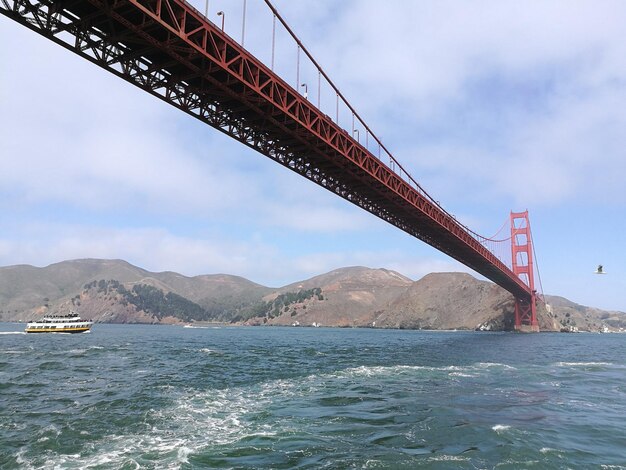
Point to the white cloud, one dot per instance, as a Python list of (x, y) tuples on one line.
[(96, 143), (157, 249), (557, 66), (412, 266), (429, 51)]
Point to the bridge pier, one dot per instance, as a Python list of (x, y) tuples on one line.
[(526, 315)]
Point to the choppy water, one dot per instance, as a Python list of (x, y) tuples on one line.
[(172, 397)]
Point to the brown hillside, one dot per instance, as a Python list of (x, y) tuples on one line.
[(351, 297), (450, 301), (24, 288), (355, 296), (386, 299), (28, 292)]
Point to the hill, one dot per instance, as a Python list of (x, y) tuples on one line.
[(114, 291), (344, 297), (117, 292)]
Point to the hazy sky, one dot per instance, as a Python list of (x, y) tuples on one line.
[(493, 106)]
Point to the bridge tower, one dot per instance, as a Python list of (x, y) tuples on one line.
[(522, 257)]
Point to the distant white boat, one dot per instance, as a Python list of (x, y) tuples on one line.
[(70, 323)]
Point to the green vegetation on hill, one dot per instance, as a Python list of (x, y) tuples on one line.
[(284, 301), (155, 301), (280, 305), (152, 300)]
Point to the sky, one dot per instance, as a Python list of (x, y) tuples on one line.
[(492, 106)]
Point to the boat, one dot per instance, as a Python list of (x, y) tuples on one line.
[(69, 323)]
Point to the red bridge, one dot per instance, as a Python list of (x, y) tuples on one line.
[(171, 50)]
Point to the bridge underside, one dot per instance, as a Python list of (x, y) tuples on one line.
[(170, 50)]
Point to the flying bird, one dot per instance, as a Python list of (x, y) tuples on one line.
[(600, 270)]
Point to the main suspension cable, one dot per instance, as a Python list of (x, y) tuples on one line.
[(393, 160)]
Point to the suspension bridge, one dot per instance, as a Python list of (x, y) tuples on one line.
[(172, 50)]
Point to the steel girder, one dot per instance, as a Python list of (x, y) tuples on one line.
[(170, 50)]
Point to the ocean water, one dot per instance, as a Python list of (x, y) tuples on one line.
[(128, 396)]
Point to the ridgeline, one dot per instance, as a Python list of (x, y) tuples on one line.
[(114, 291)]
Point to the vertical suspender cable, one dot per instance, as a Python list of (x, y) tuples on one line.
[(319, 89), (273, 40), (298, 69), (243, 24)]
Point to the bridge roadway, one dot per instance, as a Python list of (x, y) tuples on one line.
[(169, 49)]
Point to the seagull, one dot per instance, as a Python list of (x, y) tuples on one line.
[(600, 270)]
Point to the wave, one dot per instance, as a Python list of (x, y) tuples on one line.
[(448, 458), (79, 351), (471, 370), (500, 428), (208, 351), (370, 371), (13, 333), (583, 364), (201, 420), (487, 365), (548, 450), (461, 374)]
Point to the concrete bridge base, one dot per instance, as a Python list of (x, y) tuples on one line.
[(527, 328)]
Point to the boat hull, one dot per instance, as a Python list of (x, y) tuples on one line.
[(58, 330), (70, 323)]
